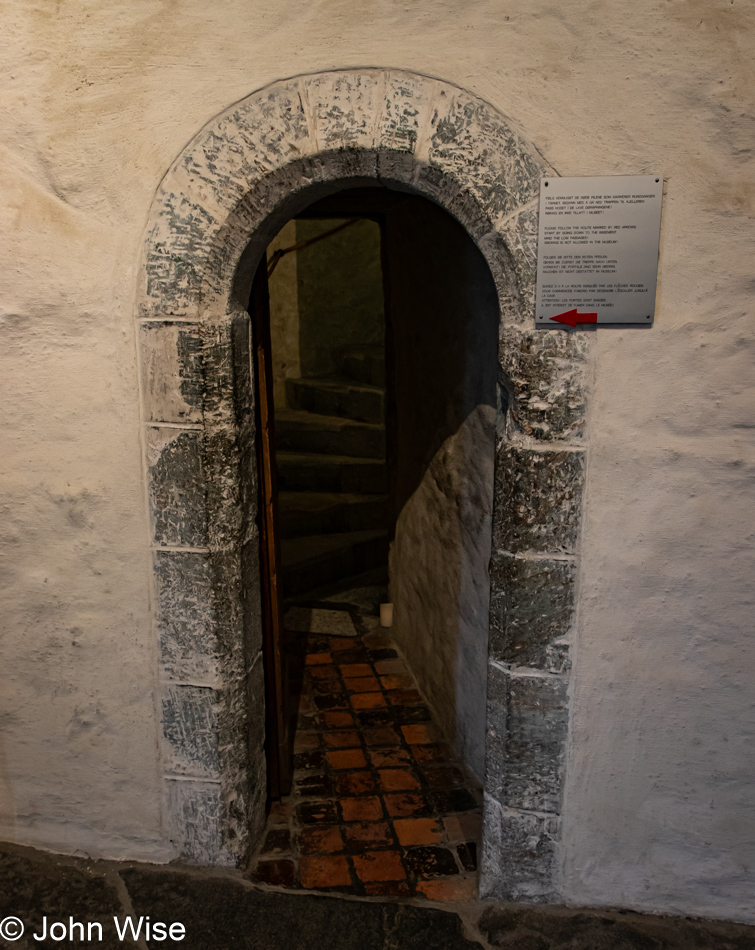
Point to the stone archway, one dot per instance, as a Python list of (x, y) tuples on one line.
[(227, 194)]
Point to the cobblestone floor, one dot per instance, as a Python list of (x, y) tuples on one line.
[(379, 806)]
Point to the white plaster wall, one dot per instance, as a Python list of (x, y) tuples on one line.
[(440, 584), (96, 99)]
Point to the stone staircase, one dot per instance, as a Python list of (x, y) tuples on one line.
[(332, 483)]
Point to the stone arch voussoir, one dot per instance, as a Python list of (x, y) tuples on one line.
[(233, 186)]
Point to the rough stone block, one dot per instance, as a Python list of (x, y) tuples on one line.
[(531, 606), (256, 700), (474, 144), (435, 184), (274, 122), (250, 819), (465, 207), (250, 579), (220, 457), (250, 141), (407, 101), (520, 234), (195, 821), (181, 236), (240, 709), (545, 371), (190, 730), (171, 372), (344, 105), (538, 500), (228, 598), (502, 269), (185, 617), (176, 486), (496, 730), (536, 725), (518, 850)]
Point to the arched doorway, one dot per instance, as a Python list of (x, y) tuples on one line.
[(227, 195), (387, 304)]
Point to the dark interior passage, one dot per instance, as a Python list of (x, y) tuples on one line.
[(330, 407), (383, 326)]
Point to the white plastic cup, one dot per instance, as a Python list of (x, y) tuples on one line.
[(386, 615)]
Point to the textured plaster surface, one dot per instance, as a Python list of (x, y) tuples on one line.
[(440, 586), (97, 102)]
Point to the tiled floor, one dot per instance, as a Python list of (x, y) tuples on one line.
[(379, 807)]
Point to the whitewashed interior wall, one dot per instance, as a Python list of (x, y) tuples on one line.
[(97, 100)]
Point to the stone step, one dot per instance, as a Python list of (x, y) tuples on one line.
[(303, 471), (364, 364), (337, 397), (359, 590), (312, 512), (316, 560), (298, 431)]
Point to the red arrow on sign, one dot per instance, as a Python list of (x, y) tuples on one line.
[(571, 317)]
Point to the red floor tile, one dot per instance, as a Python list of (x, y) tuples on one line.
[(389, 758), (420, 733), (396, 780), (347, 759), (368, 834), (367, 808), (319, 673), (348, 739), (362, 684), (388, 889), (403, 697), (381, 736), (377, 809), (337, 720), (327, 687), (390, 667), (368, 700), (379, 866), (341, 643), (396, 682), (407, 805), (413, 831), (356, 669), (324, 871), (461, 888), (355, 783), (319, 840)]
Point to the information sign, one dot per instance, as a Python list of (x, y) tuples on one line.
[(597, 250)]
